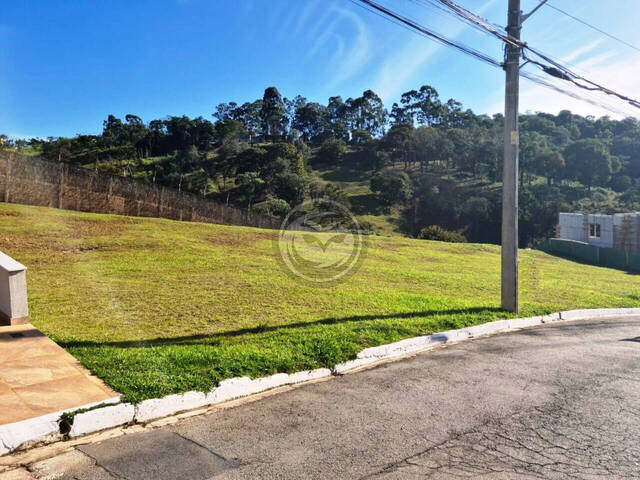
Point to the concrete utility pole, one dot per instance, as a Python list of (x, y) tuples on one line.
[(510, 168)]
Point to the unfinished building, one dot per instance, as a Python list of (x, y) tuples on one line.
[(620, 231)]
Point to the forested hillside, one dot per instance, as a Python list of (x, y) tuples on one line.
[(421, 163)]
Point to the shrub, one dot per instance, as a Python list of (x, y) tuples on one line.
[(391, 187), (435, 232), (332, 151)]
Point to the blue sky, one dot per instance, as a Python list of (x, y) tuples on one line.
[(67, 65)]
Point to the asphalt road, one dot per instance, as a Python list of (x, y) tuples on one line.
[(556, 401)]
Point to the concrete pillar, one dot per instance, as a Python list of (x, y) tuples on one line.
[(13, 292)]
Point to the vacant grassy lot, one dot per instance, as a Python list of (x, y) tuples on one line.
[(155, 306)]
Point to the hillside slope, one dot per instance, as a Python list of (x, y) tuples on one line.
[(155, 306)]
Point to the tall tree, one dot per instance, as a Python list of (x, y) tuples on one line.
[(589, 162), (272, 114)]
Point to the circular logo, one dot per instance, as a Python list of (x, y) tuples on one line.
[(320, 242)]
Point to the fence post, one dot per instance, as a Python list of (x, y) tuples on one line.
[(61, 186), (109, 191), (7, 178)]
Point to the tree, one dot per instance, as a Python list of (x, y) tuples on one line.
[(475, 212), (366, 113), (272, 114), (290, 187), (426, 145), (338, 118), (589, 162), (532, 145), (113, 130), (332, 151), (250, 185), (229, 130), (621, 183), (550, 164), (391, 187), (422, 106), (227, 111), (398, 141), (312, 121)]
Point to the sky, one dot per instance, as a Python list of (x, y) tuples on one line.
[(67, 65)]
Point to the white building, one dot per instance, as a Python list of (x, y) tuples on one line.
[(620, 230)]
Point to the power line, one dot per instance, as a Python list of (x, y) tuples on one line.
[(593, 27), (543, 82), (432, 34), (560, 71), (414, 27)]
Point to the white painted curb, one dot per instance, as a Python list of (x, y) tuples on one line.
[(163, 407), (101, 418), (46, 428)]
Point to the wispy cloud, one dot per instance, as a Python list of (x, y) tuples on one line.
[(348, 35), (579, 52), (303, 17), (396, 72)]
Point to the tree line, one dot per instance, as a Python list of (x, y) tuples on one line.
[(428, 161)]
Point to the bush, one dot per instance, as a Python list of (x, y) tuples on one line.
[(272, 207), (621, 183), (435, 232), (391, 187), (332, 151)]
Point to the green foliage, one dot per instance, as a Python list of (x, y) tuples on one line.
[(588, 161), (391, 187), (449, 154), (273, 207), (434, 232), (621, 183), (332, 151), (550, 164), (250, 185), (272, 113)]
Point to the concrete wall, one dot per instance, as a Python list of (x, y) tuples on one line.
[(606, 230), (572, 227), (620, 231), (32, 181), (13, 292)]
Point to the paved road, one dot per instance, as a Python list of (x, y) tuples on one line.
[(557, 401)]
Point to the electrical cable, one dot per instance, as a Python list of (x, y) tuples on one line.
[(430, 33), (593, 27), (560, 70), (557, 70)]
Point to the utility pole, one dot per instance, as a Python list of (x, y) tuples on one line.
[(510, 168)]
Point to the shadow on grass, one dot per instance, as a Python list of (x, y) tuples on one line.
[(199, 339)]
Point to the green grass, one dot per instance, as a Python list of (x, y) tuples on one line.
[(154, 306)]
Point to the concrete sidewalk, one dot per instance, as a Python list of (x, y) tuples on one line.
[(39, 377), (555, 401)]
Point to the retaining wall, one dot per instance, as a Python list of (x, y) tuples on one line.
[(604, 257)]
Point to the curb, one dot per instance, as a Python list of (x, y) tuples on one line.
[(47, 429)]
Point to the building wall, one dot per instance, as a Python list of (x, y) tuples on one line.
[(620, 231), (627, 231), (572, 227), (606, 230), (32, 181)]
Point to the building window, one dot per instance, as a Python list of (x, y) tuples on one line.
[(594, 230)]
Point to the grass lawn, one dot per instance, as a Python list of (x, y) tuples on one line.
[(154, 306)]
